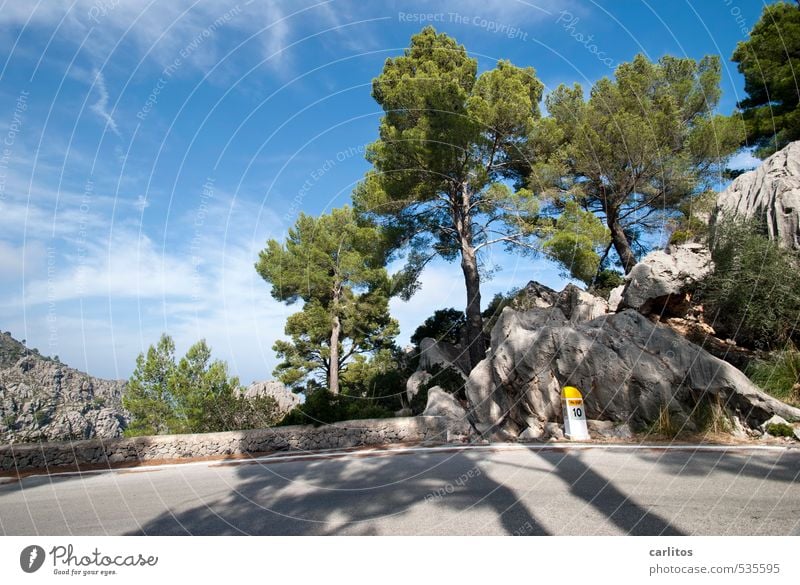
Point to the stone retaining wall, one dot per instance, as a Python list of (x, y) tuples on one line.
[(98, 452)]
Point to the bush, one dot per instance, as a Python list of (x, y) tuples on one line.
[(195, 395), (605, 282), (779, 375), (752, 295), (780, 430), (323, 407)]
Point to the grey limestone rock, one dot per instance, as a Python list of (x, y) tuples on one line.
[(628, 368), (770, 194), (663, 276)]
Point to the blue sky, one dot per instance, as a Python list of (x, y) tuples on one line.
[(150, 148)]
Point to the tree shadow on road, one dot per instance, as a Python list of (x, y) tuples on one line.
[(275, 499), (603, 496), (784, 465)]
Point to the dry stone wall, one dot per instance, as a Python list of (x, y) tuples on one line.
[(97, 452)]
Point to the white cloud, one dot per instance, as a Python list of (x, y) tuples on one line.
[(100, 107), (161, 30)]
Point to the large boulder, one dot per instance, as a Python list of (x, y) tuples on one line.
[(662, 281), (770, 194), (630, 370), (285, 398), (440, 403)]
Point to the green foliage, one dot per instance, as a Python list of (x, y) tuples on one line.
[(379, 379), (780, 430), (769, 60), (449, 140), (324, 407), (42, 417), (778, 376), (195, 395), (752, 296), (335, 264), (605, 282), (691, 224), (443, 325), (639, 147), (575, 241), (494, 310), (148, 397)]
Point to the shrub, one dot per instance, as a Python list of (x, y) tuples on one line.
[(194, 395), (779, 375), (605, 281), (322, 407), (780, 430), (752, 295)]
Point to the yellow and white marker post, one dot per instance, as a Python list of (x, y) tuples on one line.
[(574, 414)]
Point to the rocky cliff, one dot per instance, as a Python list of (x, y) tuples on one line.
[(770, 194), (42, 399)]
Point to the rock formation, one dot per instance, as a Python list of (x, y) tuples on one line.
[(285, 398), (630, 370), (770, 194), (42, 399), (662, 281)]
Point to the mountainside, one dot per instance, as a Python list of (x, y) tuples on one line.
[(44, 400)]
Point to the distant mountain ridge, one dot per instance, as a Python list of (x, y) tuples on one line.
[(42, 399)]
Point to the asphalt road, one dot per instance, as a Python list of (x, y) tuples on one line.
[(496, 490)]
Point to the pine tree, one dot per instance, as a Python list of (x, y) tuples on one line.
[(335, 264), (448, 140)]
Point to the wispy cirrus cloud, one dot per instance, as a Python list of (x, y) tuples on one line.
[(100, 107)]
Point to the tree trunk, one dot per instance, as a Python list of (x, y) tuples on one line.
[(475, 343), (621, 245), (333, 375)]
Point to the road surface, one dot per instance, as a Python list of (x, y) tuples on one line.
[(498, 489)]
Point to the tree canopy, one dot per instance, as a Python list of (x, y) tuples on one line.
[(641, 145), (335, 264), (449, 141), (770, 61)]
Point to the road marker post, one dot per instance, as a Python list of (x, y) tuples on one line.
[(575, 428)]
